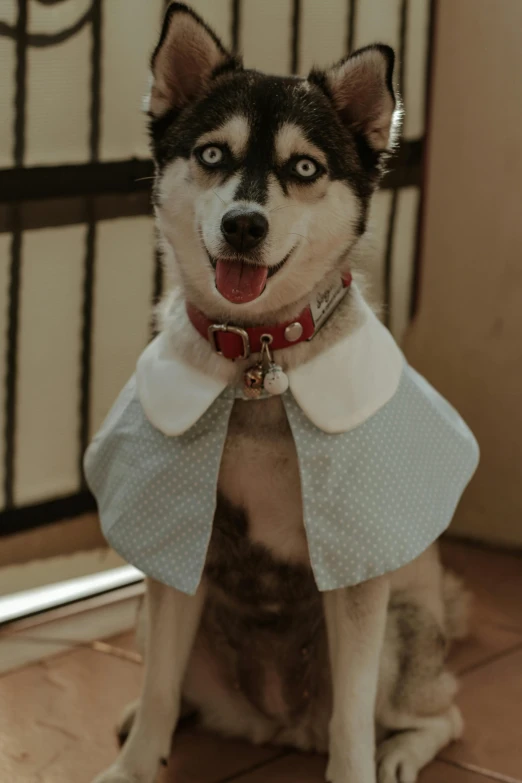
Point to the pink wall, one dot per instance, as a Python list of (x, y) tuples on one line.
[(467, 336)]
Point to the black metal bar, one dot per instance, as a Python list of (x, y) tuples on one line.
[(90, 245), (12, 359), (403, 32), (157, 288), (388, 257), (400, 178), (96, 53), (87, 338), (82, 179), (70, 211), (16, 259), (158, 276), (16, 520), (235, 32), (415, 287), (20, 94), (296, 29), (42, 40), (405, 166), (352, 21)]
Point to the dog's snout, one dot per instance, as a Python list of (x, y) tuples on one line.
[(244, 230)]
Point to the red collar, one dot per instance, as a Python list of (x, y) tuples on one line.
[(234, 342)]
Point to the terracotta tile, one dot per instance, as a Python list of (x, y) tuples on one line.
[(491, 702), (125, 641), (301, 768), (440, 772), (199, 757), (494, 577), (485, 642), (296, 768), (57, 718)]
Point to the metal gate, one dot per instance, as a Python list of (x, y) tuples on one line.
[(78, 271)]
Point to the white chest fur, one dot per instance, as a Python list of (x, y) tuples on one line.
[(259, 473)]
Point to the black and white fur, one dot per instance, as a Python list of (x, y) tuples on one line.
[(259, 652)]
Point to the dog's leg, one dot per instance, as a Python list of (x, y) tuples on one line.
[(355, 620), (173, 619), (401, 757)]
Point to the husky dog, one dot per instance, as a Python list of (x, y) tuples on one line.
[(262, 192)]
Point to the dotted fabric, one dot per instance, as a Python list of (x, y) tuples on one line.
[(374, 497), (157, 494)]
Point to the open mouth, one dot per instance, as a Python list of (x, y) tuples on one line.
[(241, 281)]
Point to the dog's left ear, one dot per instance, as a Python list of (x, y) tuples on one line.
[(188, 56), (361, 89)]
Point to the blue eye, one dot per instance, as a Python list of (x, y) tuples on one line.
[(211, 156), (305, 168)]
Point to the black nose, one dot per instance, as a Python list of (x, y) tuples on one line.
[(244, 230)]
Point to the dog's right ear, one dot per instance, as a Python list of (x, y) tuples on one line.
[(187, 57)]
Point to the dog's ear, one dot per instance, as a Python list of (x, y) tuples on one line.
[(187, 57), (361, 89)]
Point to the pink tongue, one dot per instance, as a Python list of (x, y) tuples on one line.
[(239, 282)]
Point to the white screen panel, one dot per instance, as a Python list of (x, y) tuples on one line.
[(266, 35), (48, 388), (323, 34), (122, 306), (54, 18), (377, 22), (416, 63), (403, 260), (58, 102), (130, 31), (7, 100), (218, 15), (378, 234)]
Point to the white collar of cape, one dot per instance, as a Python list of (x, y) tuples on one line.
[(337, 390)]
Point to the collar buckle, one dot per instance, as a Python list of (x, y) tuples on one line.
[(212, 338)]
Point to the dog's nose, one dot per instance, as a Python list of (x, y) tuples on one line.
[(244, 230)]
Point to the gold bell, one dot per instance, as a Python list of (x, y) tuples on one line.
[(253, 382)]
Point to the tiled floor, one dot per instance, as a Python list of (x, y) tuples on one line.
[(57, 716)]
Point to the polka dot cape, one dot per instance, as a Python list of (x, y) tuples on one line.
[(374, 497)]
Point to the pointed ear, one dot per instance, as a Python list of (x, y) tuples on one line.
[(361, 89), (187, 57)]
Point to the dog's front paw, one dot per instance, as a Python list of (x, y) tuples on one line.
[(397, 762)]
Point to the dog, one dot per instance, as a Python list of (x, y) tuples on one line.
[(262, 192)]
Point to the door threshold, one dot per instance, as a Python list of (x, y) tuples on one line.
[(83, 623)]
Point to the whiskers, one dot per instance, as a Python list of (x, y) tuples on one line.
[(219, 197), (286, 206), (295, 234)]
